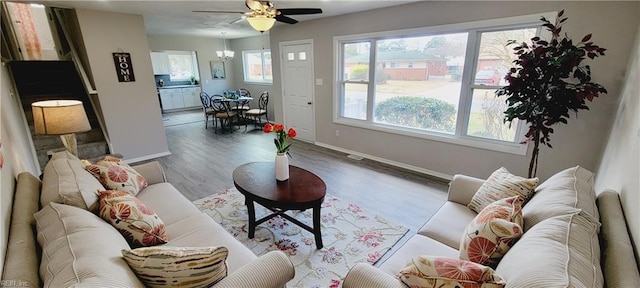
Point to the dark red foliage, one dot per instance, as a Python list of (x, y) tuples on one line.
[(548, 81)]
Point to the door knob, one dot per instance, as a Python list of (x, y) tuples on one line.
[(309, 103)]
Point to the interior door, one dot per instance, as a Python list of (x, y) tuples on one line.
[(297, 86)]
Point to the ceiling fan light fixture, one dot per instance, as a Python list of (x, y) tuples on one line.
[(261, 22)]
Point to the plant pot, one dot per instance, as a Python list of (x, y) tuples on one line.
[(282, 167)]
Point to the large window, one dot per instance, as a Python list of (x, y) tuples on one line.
[(257, 66), (435, 82), (182, 65)]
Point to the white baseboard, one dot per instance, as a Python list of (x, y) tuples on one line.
[(387, 161), (147, 157)]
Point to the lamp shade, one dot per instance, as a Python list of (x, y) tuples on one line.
[(58, 117), (261, 22)]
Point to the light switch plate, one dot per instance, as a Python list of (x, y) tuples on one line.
[(319, 82)]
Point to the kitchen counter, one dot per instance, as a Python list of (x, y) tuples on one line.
[(177, 86), (180, 97)]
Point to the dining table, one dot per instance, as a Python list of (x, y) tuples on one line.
[(238, 102)]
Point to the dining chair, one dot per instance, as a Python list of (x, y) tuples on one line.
[(256, 114), (222, 112), (206, 107), (243, 106)]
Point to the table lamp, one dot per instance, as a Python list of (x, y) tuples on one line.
[(61, 117)]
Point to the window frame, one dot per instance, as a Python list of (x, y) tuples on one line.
[(474, 30), (194, 63), (263, 63)]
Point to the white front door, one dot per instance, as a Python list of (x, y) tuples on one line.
[(297, 87)]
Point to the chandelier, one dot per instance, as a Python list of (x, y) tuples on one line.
[(225, 54)]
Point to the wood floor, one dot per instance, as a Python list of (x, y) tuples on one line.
[(202, 162)]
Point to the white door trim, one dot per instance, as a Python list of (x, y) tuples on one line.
[(313, 91)]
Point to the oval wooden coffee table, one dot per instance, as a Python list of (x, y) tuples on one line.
[(304, 190)]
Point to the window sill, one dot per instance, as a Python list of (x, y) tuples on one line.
[(470, 141), (258, 83)]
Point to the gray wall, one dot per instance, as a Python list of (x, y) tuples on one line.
[(131, 110), (206, 51), (17, 150), (246, 44), (613, 25), (620, 165)]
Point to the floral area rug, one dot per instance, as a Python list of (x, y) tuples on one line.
[(349, 234)]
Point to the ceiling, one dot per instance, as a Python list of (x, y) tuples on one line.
[(177, 18)]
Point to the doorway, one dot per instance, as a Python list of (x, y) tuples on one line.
[(297, 87)]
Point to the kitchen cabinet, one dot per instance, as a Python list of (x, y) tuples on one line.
[(171, 99), (191, 96), (160, 63), (180, 98)]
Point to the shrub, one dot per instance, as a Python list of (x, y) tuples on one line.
[(359, 71), (418, 112)]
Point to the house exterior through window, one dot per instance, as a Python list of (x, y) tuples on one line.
[(434, 82), (257, 66)]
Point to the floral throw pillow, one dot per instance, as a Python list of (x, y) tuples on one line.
[(444, 272), (502, 184), (116, 174), (139, 225), (165, 266), (492, 232)]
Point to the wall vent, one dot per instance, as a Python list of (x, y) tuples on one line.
[(354, 157)]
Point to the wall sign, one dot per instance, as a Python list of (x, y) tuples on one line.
[(124, 69)]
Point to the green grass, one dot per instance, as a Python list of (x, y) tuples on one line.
[(400, 87), (476, 126)]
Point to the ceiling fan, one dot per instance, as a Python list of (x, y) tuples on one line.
[(263, 14)]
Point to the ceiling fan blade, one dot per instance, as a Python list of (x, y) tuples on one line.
[(285, 19), (299, 11), (238, 20), (208, 11)]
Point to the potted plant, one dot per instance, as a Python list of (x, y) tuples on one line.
[(549, 80)]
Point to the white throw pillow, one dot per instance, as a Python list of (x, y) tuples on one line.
[(502, 184), (166, 266), (80, 250), (426, 271), (139, 224), (492, 233), (66, 181), (567, 192), (116, 174), (562, 251)]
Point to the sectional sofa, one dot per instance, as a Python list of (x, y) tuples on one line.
[(89, 253), (572, 238)]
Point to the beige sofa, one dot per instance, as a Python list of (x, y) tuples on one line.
[(186, 226), (560, 247)]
